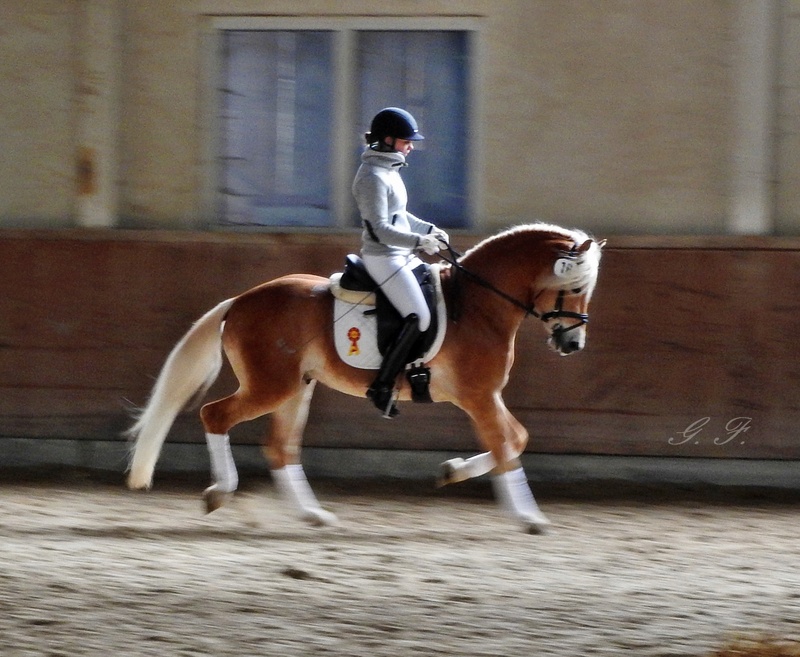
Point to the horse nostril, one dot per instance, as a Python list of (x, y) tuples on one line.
[(573, 345)]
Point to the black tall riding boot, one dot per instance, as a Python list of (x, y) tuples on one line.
[(381, 392)]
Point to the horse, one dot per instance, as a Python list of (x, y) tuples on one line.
[(278, 340)]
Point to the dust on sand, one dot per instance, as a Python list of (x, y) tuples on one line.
[(90, 568)]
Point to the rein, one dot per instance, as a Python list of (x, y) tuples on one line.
[(557, 313)]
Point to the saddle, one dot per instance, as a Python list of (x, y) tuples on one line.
[(366, 323)]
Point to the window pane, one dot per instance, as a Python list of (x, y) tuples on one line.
[(276, 103), (425, 73)]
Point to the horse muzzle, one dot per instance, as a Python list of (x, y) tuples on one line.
[(567, 341)]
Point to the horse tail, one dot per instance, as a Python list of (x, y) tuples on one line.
[(190, 369)]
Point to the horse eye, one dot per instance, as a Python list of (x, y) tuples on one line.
[(577, 290)]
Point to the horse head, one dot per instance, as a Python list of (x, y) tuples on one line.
[(548, 271), (561, 298)]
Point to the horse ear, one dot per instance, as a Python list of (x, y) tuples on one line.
[(583, 248), (602, 243)]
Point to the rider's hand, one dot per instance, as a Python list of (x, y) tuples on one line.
[(428, 243), (440, 235)]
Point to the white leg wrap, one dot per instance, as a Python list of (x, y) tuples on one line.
[(475, 466), (479, 465), (516, 499), (454, 470), (293, 486), (223, 468)]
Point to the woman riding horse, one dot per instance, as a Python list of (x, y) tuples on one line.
[(390, 239)]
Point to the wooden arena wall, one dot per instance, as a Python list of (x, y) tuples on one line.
[(692, 348)]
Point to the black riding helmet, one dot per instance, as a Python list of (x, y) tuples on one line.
[(395, 123)]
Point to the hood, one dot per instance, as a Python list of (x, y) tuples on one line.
[(387, 160)]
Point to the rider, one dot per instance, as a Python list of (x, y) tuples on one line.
[(390, 238)]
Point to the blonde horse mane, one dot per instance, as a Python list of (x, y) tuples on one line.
[(582, 276)]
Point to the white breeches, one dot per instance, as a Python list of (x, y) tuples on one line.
[(396, 279)]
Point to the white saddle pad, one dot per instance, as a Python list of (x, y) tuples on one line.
[(355, 326)]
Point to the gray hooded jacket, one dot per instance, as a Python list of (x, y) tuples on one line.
[(389, 229)]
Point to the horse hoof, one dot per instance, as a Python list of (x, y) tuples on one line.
[(320, 518), (448, 472), (535, 524), (215, 498)]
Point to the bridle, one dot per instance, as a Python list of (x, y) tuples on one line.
[(558, 312)]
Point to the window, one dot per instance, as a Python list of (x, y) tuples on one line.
[(275, 117), (293, 105)]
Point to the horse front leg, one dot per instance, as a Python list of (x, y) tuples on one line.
[(458, 469), (283, 453), (505, 438)]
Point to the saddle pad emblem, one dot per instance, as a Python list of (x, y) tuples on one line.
[(353, 335), (356, 335)]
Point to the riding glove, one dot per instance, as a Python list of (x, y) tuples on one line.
[(440, 235), (428, 243)]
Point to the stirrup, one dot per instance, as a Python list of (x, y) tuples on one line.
[(419, 378)]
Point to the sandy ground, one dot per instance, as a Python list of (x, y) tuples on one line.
[(89, 568)]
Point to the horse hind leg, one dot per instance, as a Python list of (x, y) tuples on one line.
[(283, 449), (218, 418)]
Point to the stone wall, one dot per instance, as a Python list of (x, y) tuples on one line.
[(644, 117)]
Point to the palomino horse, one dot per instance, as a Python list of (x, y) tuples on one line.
[(278, 340)]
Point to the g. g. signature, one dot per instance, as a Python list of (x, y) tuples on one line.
[(733, 428)]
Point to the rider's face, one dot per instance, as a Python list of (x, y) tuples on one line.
[(404, 146)]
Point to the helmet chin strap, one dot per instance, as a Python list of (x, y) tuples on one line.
[(387, 148)]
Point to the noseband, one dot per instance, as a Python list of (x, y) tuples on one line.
[(558, 311)]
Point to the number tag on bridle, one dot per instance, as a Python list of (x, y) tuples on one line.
[(563, 267)]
